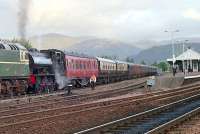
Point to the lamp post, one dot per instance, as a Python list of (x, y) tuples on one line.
[(172, 42), (184, 57)]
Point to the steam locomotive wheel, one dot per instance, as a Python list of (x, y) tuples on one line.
[(5, 88)]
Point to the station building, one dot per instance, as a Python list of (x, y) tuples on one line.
[(188, 61)]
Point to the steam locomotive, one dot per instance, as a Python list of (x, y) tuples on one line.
[(55, 69)]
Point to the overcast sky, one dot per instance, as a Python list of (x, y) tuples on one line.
[(126, 20)]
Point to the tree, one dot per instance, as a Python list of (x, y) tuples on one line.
[(24, 42), (163, 66), (155, 64), (143, 62), (130, 59)]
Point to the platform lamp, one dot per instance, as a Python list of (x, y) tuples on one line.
[(172, 42), (184, 42)]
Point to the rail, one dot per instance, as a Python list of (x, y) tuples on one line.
[(106, 127)]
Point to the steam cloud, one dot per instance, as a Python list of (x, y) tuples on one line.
[(24, 6)]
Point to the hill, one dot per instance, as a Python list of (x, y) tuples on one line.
[(162, 52), (105, 47), (87, 45)]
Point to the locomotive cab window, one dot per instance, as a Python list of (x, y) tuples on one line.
[(24, 56)]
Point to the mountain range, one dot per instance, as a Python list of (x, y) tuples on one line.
[(114, 48), (88, 45), (163, 52)]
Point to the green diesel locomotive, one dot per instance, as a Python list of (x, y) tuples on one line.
[(14, 68)]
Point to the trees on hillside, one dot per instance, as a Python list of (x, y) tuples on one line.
[(162, 65), (24, 42), (143, 62), (130, 59)]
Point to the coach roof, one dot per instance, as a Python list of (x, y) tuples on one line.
[(105, 60)]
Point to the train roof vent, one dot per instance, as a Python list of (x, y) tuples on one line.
[(17, 48), (2, 46), (13, 47)]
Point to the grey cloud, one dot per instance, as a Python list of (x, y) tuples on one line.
[(129, 20)]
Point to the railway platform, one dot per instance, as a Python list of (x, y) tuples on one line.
[(167, 80)]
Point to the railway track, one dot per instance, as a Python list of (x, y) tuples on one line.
[(83, 99), (56, 115), (50, 96), (74, 99), (61, 110), (186, 124), (153, 121)]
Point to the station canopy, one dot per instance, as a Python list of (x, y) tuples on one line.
[(187, 55)]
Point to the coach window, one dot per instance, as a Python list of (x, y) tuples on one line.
[(89, 64), (95, 65), (71, 64), (66, 62), (81, 65), (84, 65), (68, 66), (92, 65), (76, 63)]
